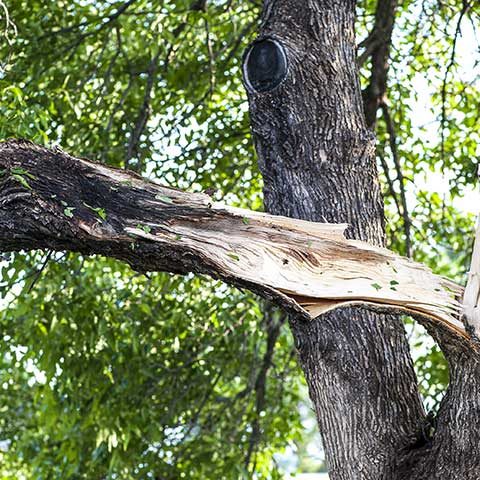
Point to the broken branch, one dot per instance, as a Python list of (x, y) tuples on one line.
[(51, 200)]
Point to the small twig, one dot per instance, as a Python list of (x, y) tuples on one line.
[(40, 271), (9, 24), (211, 57)]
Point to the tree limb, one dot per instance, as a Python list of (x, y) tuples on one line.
[(51, 200), (400, 178), (443, 119)]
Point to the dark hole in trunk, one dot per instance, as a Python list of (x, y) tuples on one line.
[(265, 65)]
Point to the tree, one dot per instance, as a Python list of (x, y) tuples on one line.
[(317, 158)]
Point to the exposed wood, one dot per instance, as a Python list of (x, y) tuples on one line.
[(471, 297), (49, 199)]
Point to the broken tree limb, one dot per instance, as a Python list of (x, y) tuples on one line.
[(49, 199)]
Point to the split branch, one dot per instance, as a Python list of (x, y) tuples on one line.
[(51, 200), (471, 297)]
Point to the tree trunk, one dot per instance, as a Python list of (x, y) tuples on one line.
[(317, 158)]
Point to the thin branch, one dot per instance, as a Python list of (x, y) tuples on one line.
[(369, 45), (9, 24), (10, 32), (244, 33), (465, 7), (103, 22), (398, 168), (143, 115), (378, 49), (273, 327), (211, 57), (39, 272), (391, 188), (145, 110)]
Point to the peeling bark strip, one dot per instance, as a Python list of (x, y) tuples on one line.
[(471, 296), (49, 199)]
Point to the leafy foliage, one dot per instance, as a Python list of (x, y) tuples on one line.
[(108, 374), (134, 375)]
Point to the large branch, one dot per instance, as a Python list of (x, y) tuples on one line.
[(51, 200)]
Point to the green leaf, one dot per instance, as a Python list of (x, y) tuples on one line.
[(163, 198), (68, 211), (145, 228), (22, 180), (376, 286), (98, 210), (21, 171)]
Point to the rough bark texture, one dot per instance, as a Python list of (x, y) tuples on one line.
[(318, 162), (452, 451)]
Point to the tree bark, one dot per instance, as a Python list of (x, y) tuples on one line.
[(317, 158)]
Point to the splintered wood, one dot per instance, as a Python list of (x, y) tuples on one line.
[(315, 265), (471, 298)]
